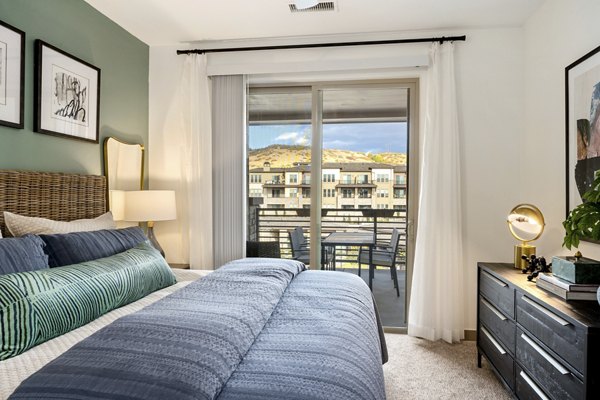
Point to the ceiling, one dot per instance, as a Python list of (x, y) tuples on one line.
[(168, 22)]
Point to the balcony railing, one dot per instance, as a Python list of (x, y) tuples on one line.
[(273, 225)]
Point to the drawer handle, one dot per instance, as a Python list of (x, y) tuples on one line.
[(496, 280), (491, 307), (545, 311), (532, 385), (491, 339), (547, 356)]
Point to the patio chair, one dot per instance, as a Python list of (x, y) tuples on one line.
[(383, 257), (301, 250)]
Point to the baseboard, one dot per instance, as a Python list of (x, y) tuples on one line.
[(394, 329), (470, 335)]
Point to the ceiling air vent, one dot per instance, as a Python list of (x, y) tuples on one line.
[(322, 6)]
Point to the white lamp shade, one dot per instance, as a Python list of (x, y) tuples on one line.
[(150, 205)]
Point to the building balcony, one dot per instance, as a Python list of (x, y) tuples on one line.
[(343, 184)]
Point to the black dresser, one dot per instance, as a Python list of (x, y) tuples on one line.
[(539, 345)]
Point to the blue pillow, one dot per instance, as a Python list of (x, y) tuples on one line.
[(22, 254), (77, 247)]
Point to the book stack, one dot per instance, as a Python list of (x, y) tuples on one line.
[(567, 290)]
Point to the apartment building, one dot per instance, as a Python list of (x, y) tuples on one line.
[(344, 186)]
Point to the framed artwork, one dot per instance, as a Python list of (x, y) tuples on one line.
[(67, 92), (12, 75), (582, 96)]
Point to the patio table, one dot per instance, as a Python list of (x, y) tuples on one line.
[(359, 239)]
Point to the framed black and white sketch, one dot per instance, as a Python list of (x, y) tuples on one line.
[(582, 82), (12, 73), (67, 92)]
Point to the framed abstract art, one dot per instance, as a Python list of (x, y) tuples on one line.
[(67, 91), (582, 97), (12, 73)]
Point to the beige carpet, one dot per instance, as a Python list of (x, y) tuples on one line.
[(419, 369)]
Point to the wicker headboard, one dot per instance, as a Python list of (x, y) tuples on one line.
[(61, 197)]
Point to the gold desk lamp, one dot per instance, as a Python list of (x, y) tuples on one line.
[(526, 223)]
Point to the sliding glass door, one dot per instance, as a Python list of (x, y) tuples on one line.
[(334, 159)]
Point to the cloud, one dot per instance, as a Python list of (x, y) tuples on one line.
[(302, 141), (288, 136), (293, 138)]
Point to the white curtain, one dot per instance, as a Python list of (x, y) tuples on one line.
[(437, 299), (229, 167), (196, 163)]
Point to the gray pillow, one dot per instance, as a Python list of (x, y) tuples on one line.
[(77, 247), (20, 225), (22, 254)]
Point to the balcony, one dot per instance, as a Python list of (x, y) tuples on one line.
[(273, 225), (355, 183)]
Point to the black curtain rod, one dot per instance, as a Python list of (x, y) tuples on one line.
[(316, 45)]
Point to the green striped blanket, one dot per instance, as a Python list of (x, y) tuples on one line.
[(40, 305)]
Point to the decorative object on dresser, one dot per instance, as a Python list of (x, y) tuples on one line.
[(540, 346), (12, 75), (526, 223), (67, 91), (150, 206), (535, 266), (576, 269), (567, 290)]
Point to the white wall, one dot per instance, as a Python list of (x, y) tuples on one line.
[(559, 33), (164, 158), (489, 69), (490, 92)]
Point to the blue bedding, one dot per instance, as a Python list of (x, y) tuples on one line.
[(254, 329)]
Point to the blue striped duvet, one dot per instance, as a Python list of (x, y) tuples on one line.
[(254, 329)]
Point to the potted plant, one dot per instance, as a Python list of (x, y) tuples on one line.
[(584, 220)]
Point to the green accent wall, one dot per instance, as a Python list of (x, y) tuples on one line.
[(78, 29)]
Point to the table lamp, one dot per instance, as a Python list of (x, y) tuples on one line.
[(526, 223), (150, 206)]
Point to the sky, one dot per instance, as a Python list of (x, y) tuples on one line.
[(363, 137)]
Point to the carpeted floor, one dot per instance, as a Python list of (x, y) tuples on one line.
[(419, 369)]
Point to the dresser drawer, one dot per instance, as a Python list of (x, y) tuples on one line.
[(526, 388), (502, 327), (563, 337), (497, 354), (552, 374), (498, 292)]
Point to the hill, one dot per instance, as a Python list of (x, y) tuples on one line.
[(286, 156)]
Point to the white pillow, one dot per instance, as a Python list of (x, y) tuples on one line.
[(19, 225)]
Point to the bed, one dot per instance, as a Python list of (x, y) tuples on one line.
[(253, 329)]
